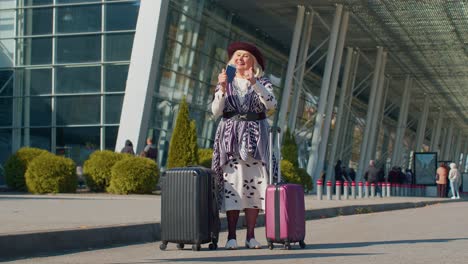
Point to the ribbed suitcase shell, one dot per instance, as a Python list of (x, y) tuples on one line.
[(189, 213), (284, 213)]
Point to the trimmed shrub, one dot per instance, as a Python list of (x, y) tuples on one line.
[(134, 175), (289, 148), (289, 172), (50, 173), (97, 169), (205, 156), (306, 181), (17, 164), (183, 149)]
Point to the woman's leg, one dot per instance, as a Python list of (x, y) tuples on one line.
[(232, 217), (443, 192), (452, 187), (251, 219)]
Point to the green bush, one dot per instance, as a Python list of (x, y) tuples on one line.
[(289, 148), (50, 173), (134, 175), (205, 156), (289, 172), (306, 181), (183, 149), (17, 164), (97, 169)]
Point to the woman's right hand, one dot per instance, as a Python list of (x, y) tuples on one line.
[(222, 80)]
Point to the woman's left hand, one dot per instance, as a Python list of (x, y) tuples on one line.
[(249, 75)]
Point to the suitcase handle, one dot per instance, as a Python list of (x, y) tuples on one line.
[(272, 130)]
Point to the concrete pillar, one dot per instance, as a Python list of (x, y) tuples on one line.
[(331, 96), (291, 66), (316, 137), (304, 47), (422, 125), (402, 119), (449, 141), (370, 109), (340, 113), (371, 146), (144, 67)]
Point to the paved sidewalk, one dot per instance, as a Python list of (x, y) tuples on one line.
[(44, 224)]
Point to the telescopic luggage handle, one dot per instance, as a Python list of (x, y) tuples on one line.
[(272, 130)]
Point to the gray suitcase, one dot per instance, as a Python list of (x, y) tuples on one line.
[(189, 209)]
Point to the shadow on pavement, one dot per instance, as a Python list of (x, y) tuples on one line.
[(257, 257), (365, 244)]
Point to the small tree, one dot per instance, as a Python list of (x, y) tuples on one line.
[(183, 149), (289, 148)]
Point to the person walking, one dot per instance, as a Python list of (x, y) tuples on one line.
[(372, 175), (128, 148), (441, 180), (240, 149), (150, 151), (455, 180)]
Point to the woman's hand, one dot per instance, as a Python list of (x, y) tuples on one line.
[(249, 75), (222, 80)]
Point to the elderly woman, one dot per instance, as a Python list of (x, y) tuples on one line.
[(455, 180), (240, 156)]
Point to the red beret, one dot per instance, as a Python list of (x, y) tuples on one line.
[(233, 47)]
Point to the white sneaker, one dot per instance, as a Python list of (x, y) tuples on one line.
[(458, 197), (231, 244), (453, 197), (252, 244)]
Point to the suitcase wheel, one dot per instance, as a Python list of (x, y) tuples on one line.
[(213, 246), (287, 245), (180, 246), (196, 247), (163, 246), (270, 245), (302, 244)]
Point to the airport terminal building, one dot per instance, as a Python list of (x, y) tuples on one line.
[(83, 75)]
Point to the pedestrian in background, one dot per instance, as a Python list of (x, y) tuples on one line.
[(441, 180), (150, 151), (455, 180), (372, 175), (128, 148)]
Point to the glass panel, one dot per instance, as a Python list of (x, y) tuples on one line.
[(111, 137), (79, 19), (7, 4), (77, 143), (74, 1), (7, 23), (5, 144), (7, 54), (6, 111), (39, 81), (37, 21), (40, 111), (37, 2), (121, 16), (40, 138), (6, 83), (77, 110), (116, 77), (113, 108), (36, 51), (78, 49), (78, 80), (119, 47)]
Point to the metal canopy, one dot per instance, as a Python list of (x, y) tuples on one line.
[(426, 39)]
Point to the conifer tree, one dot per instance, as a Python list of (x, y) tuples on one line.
[(183, 149), (289, 148)]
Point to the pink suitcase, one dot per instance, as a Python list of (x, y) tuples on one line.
[(284, 209)]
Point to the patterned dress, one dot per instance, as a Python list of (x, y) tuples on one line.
[(240, 151)]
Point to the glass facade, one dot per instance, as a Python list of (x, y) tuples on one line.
[(64, 66)]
